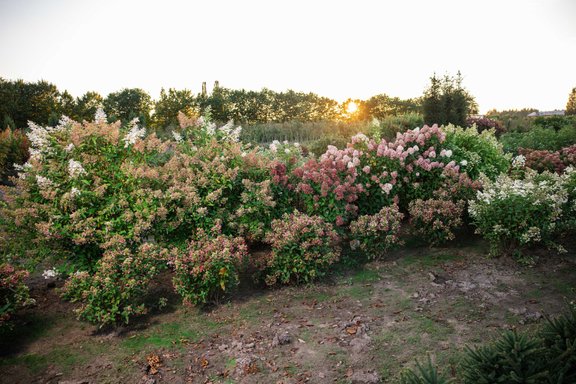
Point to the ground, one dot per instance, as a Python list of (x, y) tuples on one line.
[(364, 325)]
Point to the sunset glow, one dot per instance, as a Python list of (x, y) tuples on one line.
[(351, 108)]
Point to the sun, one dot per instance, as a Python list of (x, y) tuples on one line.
[(351, 108)]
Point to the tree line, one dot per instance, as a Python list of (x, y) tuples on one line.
[(444, 101)]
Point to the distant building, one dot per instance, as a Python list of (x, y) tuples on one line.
[(556, 112)]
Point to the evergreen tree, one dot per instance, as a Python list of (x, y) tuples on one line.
[(446, 101)]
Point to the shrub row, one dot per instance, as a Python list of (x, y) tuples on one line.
[(116, 206)]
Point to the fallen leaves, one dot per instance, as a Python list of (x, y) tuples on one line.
[(154, 363)]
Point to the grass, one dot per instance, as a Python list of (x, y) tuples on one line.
[(428, 261), (165, 335)]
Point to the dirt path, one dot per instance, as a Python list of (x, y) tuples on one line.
[(364, 326)]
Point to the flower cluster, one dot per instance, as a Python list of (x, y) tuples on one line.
[(369, 175), (50, 274), (303, 248), (553, 161), (134, 134), (435, 219), (208, 268), (485, 124), (374, 234)]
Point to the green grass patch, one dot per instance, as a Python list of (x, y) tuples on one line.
[(162, 336), (429, 260), (35, 363), (365, 276)]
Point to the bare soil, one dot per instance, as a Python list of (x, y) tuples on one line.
[(359, 326)]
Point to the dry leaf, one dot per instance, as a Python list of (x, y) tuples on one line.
[(351, 330), (153, 363)]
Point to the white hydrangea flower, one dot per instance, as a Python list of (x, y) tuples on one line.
[(134, 134), (519, 161), (50, 274), (63, 123), (69, 147), (74, 192), (360, 138), (235, 135), (177, 136), (75, 168), (38, 137), (464, 162), (227, 128), (43, 182), (100, 116), (211, 129)]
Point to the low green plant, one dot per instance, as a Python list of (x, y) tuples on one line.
[(559, 339), (209, 267), (388, 127), (512, 358), (476, 152), (303, 248), (14, 293), (539, 138), (423, 374), (549, 356)]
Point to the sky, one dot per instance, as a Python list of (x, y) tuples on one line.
[(512, 53)]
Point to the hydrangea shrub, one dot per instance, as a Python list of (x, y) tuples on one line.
[(434, 220), (514, 213), (375, 234), (208, 268), (303, 249), (14, 293)]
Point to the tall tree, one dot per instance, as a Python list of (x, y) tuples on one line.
[(21, 101), (571, 105), (447, 101), (86, 106), (166, 108), (128, 104)]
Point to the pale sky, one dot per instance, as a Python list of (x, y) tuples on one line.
[(512, 53)]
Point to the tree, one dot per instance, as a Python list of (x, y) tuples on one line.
[(86, 106), (166, 108), (382, 106), (127, 104), (571, 105), (21, 101), (446, 101)]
